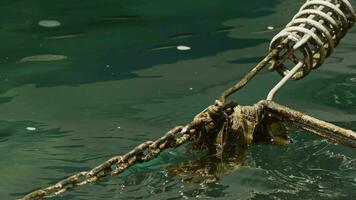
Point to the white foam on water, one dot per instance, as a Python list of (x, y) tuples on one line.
[(49, 23), (31, 128), (183, 48)]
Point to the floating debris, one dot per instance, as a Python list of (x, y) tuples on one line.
[(179, 47), (268, 29), (70, 35), (31, 128), (45, 57), (183, 48), (49, 23)]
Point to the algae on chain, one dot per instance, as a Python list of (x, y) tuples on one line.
[(227, 143)]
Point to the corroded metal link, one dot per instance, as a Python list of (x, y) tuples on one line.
[(141, 153), (178, 136), (117, 164), (328, 19), (311, 124)]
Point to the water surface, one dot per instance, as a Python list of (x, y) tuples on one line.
[(96, 78)]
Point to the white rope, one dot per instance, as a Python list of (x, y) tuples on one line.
[(310, 38)]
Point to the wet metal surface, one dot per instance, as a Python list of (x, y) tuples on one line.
[(112, 91)]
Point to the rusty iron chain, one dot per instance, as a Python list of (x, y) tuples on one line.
[(117, 164), (181, 134), (201, 124), (141, 153)]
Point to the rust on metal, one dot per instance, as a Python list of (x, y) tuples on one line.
[(225, 128)]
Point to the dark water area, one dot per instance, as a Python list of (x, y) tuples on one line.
[(83, 81)]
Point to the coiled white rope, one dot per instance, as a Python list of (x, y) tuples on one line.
[(310, 38)]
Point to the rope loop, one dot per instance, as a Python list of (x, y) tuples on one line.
[(312, 35)]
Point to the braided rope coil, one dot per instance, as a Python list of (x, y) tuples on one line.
[(312, 35)]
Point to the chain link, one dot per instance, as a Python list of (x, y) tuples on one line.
[(141, 153), (206, 120)]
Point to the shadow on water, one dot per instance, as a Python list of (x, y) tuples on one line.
[(107, 40)]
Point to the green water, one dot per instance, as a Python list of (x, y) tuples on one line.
[(120, 81)]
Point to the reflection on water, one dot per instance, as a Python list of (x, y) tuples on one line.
[(211, 167), (38, 58), (98, 77)]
